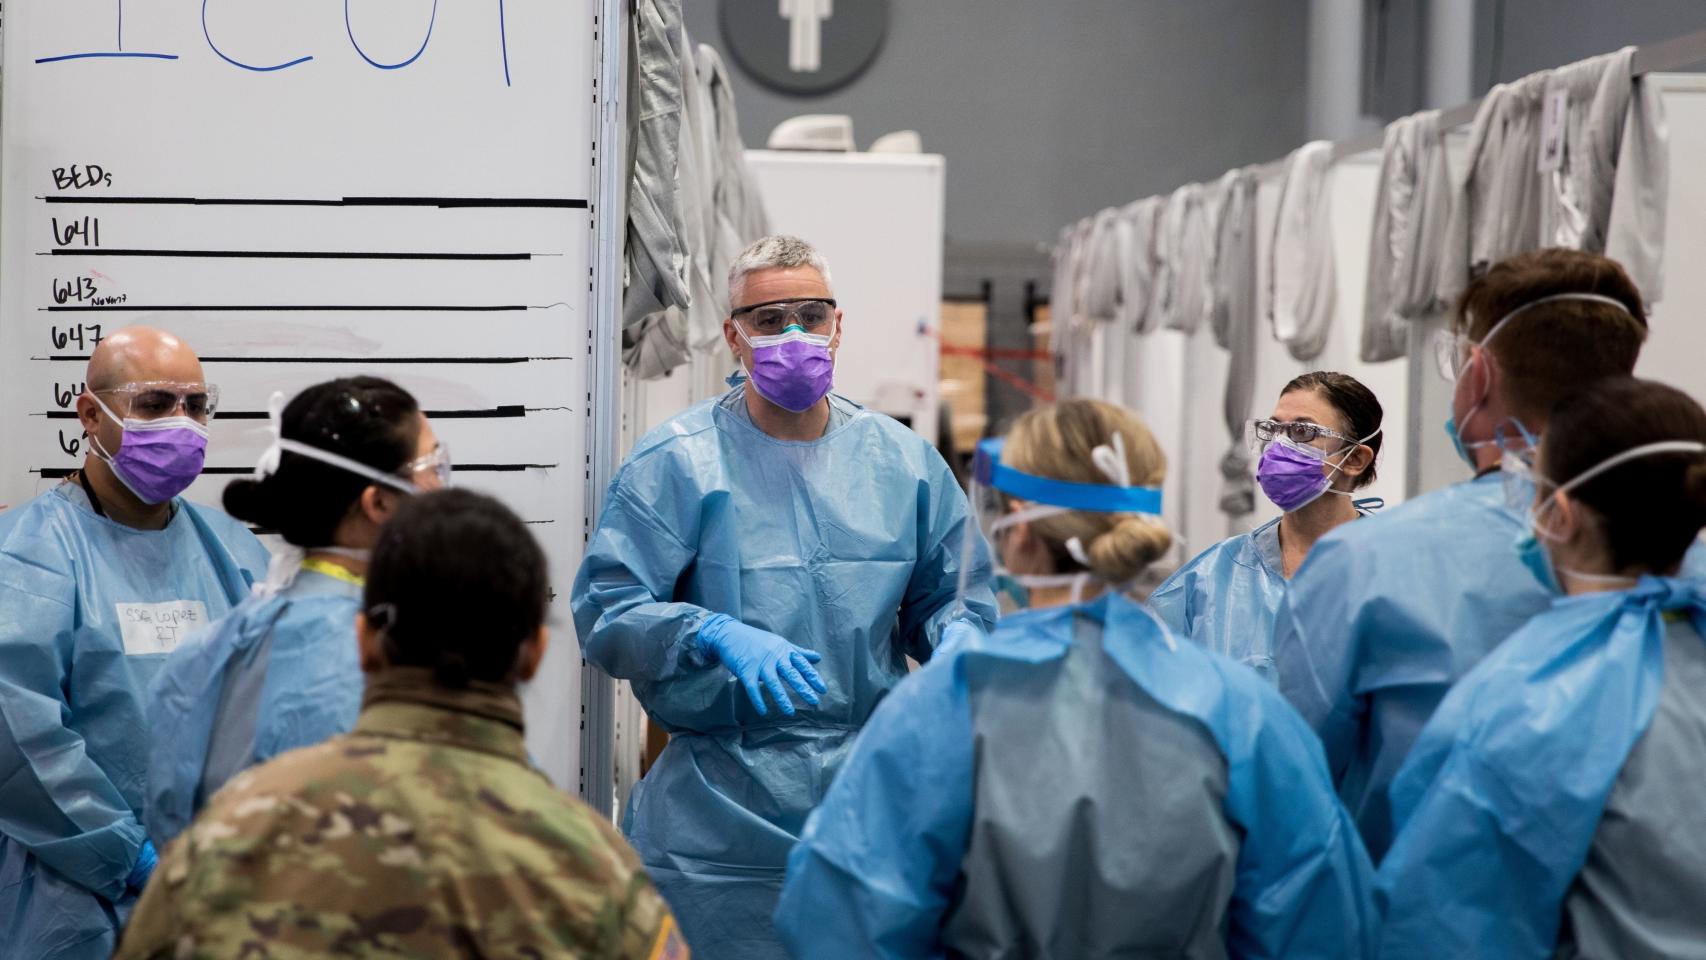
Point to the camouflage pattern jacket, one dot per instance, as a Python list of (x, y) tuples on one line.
[(425, 833)]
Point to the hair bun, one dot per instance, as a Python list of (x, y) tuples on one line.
[(250, 502), (1127, 548)]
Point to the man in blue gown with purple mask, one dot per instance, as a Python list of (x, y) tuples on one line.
[(766, 563)]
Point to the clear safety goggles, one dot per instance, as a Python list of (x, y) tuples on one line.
[(1454, 349), (1543, 493), (1259, 433), (159, 399), (438, 462), (813, 315)]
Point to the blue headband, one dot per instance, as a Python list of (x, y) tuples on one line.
[(1101, 498)]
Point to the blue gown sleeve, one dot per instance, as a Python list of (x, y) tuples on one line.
[(627, 624), (874, 872), (54, 800), (1316, 646), (1453, 884), (944, 523), (1305, 884)]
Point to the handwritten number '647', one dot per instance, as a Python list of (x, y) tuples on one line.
[(228, 57)]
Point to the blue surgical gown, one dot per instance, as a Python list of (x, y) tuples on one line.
[(1500, 800), (1079, 784), (1226, 597), (91, 609), (274, 674), (849, 545), (1384, 615)]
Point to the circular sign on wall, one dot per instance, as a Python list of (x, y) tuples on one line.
[(804, 47)]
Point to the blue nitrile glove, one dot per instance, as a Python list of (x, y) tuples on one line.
[(955, 631), (146, 861), (759, 657)]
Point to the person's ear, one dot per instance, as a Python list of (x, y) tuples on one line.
[(1487, 376), (835, 343), (1358, 460), (88, 412), (532, 654), (378, 503), (1569, 518), (370, 643), (731, 337)]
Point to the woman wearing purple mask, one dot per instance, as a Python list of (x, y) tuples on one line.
[(1318, 447)]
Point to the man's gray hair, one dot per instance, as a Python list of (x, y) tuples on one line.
[(775, 252)]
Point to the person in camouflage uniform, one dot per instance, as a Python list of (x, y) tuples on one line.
[(424, 833)]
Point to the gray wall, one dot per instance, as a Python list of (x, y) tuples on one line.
[(1513, 38), (1545, 33), (1048, 110)]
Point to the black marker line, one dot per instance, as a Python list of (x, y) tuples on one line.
[(281, 254), (282, 308), (507, 411), (84, 358), (442, 203)]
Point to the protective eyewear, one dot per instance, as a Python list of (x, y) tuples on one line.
[(1454, 349), (1451, 353), (438, 461), (158, 399), (1301, 432), (771, 318)]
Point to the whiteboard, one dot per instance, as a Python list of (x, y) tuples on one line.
[(310, 190)]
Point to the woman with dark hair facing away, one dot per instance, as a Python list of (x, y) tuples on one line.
[(279, 671), (1318, 447), (425, 832), (1551, 806)]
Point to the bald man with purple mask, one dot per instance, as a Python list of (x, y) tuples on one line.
[(101, 578)]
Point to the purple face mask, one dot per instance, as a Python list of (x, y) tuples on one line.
[(157, 459), (792, 369), (1291, 474)]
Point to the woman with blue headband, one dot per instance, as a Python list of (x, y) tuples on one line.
[(1080, 783)]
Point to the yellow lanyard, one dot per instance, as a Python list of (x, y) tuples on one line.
[(332, 570)]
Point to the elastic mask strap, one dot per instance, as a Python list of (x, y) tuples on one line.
[(267, 465), (1035, 511), (1634, 453), (1348, 451), (1555, 298), (1111, 460), (792, 331)]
